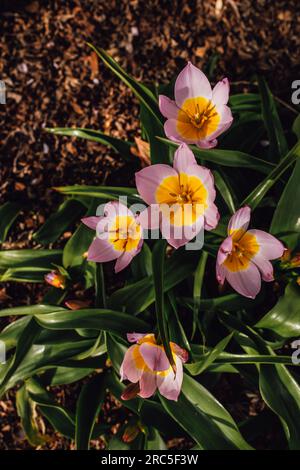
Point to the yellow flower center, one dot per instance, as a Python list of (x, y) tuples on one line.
[(124, 233), (197, 119), (244, 248), (182, 198)]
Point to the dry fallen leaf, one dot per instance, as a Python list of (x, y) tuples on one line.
[(142, 151)]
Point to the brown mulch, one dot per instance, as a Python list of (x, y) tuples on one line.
[(54, 80)]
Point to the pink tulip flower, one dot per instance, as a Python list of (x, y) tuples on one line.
[(199, 113), (119, 236), (243, 257), (181, 198), (146, 365)]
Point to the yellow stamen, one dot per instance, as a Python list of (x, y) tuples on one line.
[(124, 233), (182, 198), (244, 248), (197, 118)]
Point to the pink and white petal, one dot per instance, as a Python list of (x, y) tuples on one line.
[(211, 217), (178, 236), (246, 282), (224, 250), (207, 144), (220, 93), (183, 158), (269, 246), (239, 220), (148, 179), (147, 384), (103, 226), (135, 337), (91, 222), (129, 370), (265, 267), (124, 260), (224, 124), (167, 107), (225, 113), (220, 273), (220, 130), (170, 128), (102, 251), (114, 208), (150, 217), (154, 356), (170, 385), (191, 83)]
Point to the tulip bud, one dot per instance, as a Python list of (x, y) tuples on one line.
[(56, 279), (77, 304), (131, 432), (131, 391)]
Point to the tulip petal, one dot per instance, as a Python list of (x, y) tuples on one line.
[(150, 218), (224, 250), (154, 356), (132, 365), (220, 93), (224, 124), (147, 384), (246, 282), (181, 235), (91, 222), (170, 385), (135, 337), (114, 208), (148, 179), (211, 217), (207, 144), (191, 83), (240, 220), (183, 158), (170, 128), (220, 273), (124, 260), (167, 107), (269, 246), (264, 266), (101, 251)]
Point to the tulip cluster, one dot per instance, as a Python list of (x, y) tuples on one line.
[(180, 201)]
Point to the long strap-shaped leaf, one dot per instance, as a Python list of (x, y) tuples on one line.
[(120, 146), (278, 387), (88, 407), (61, 419), (231, 158), (261, 190), (158, 264), (141, 91), (204, 418), (278, 143), (94, 318), (27, 337), (8, 213)]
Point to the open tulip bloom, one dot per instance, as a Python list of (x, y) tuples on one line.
[(118, 236), (199, 113), (243, 257), (147, 367), (181, 199)]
